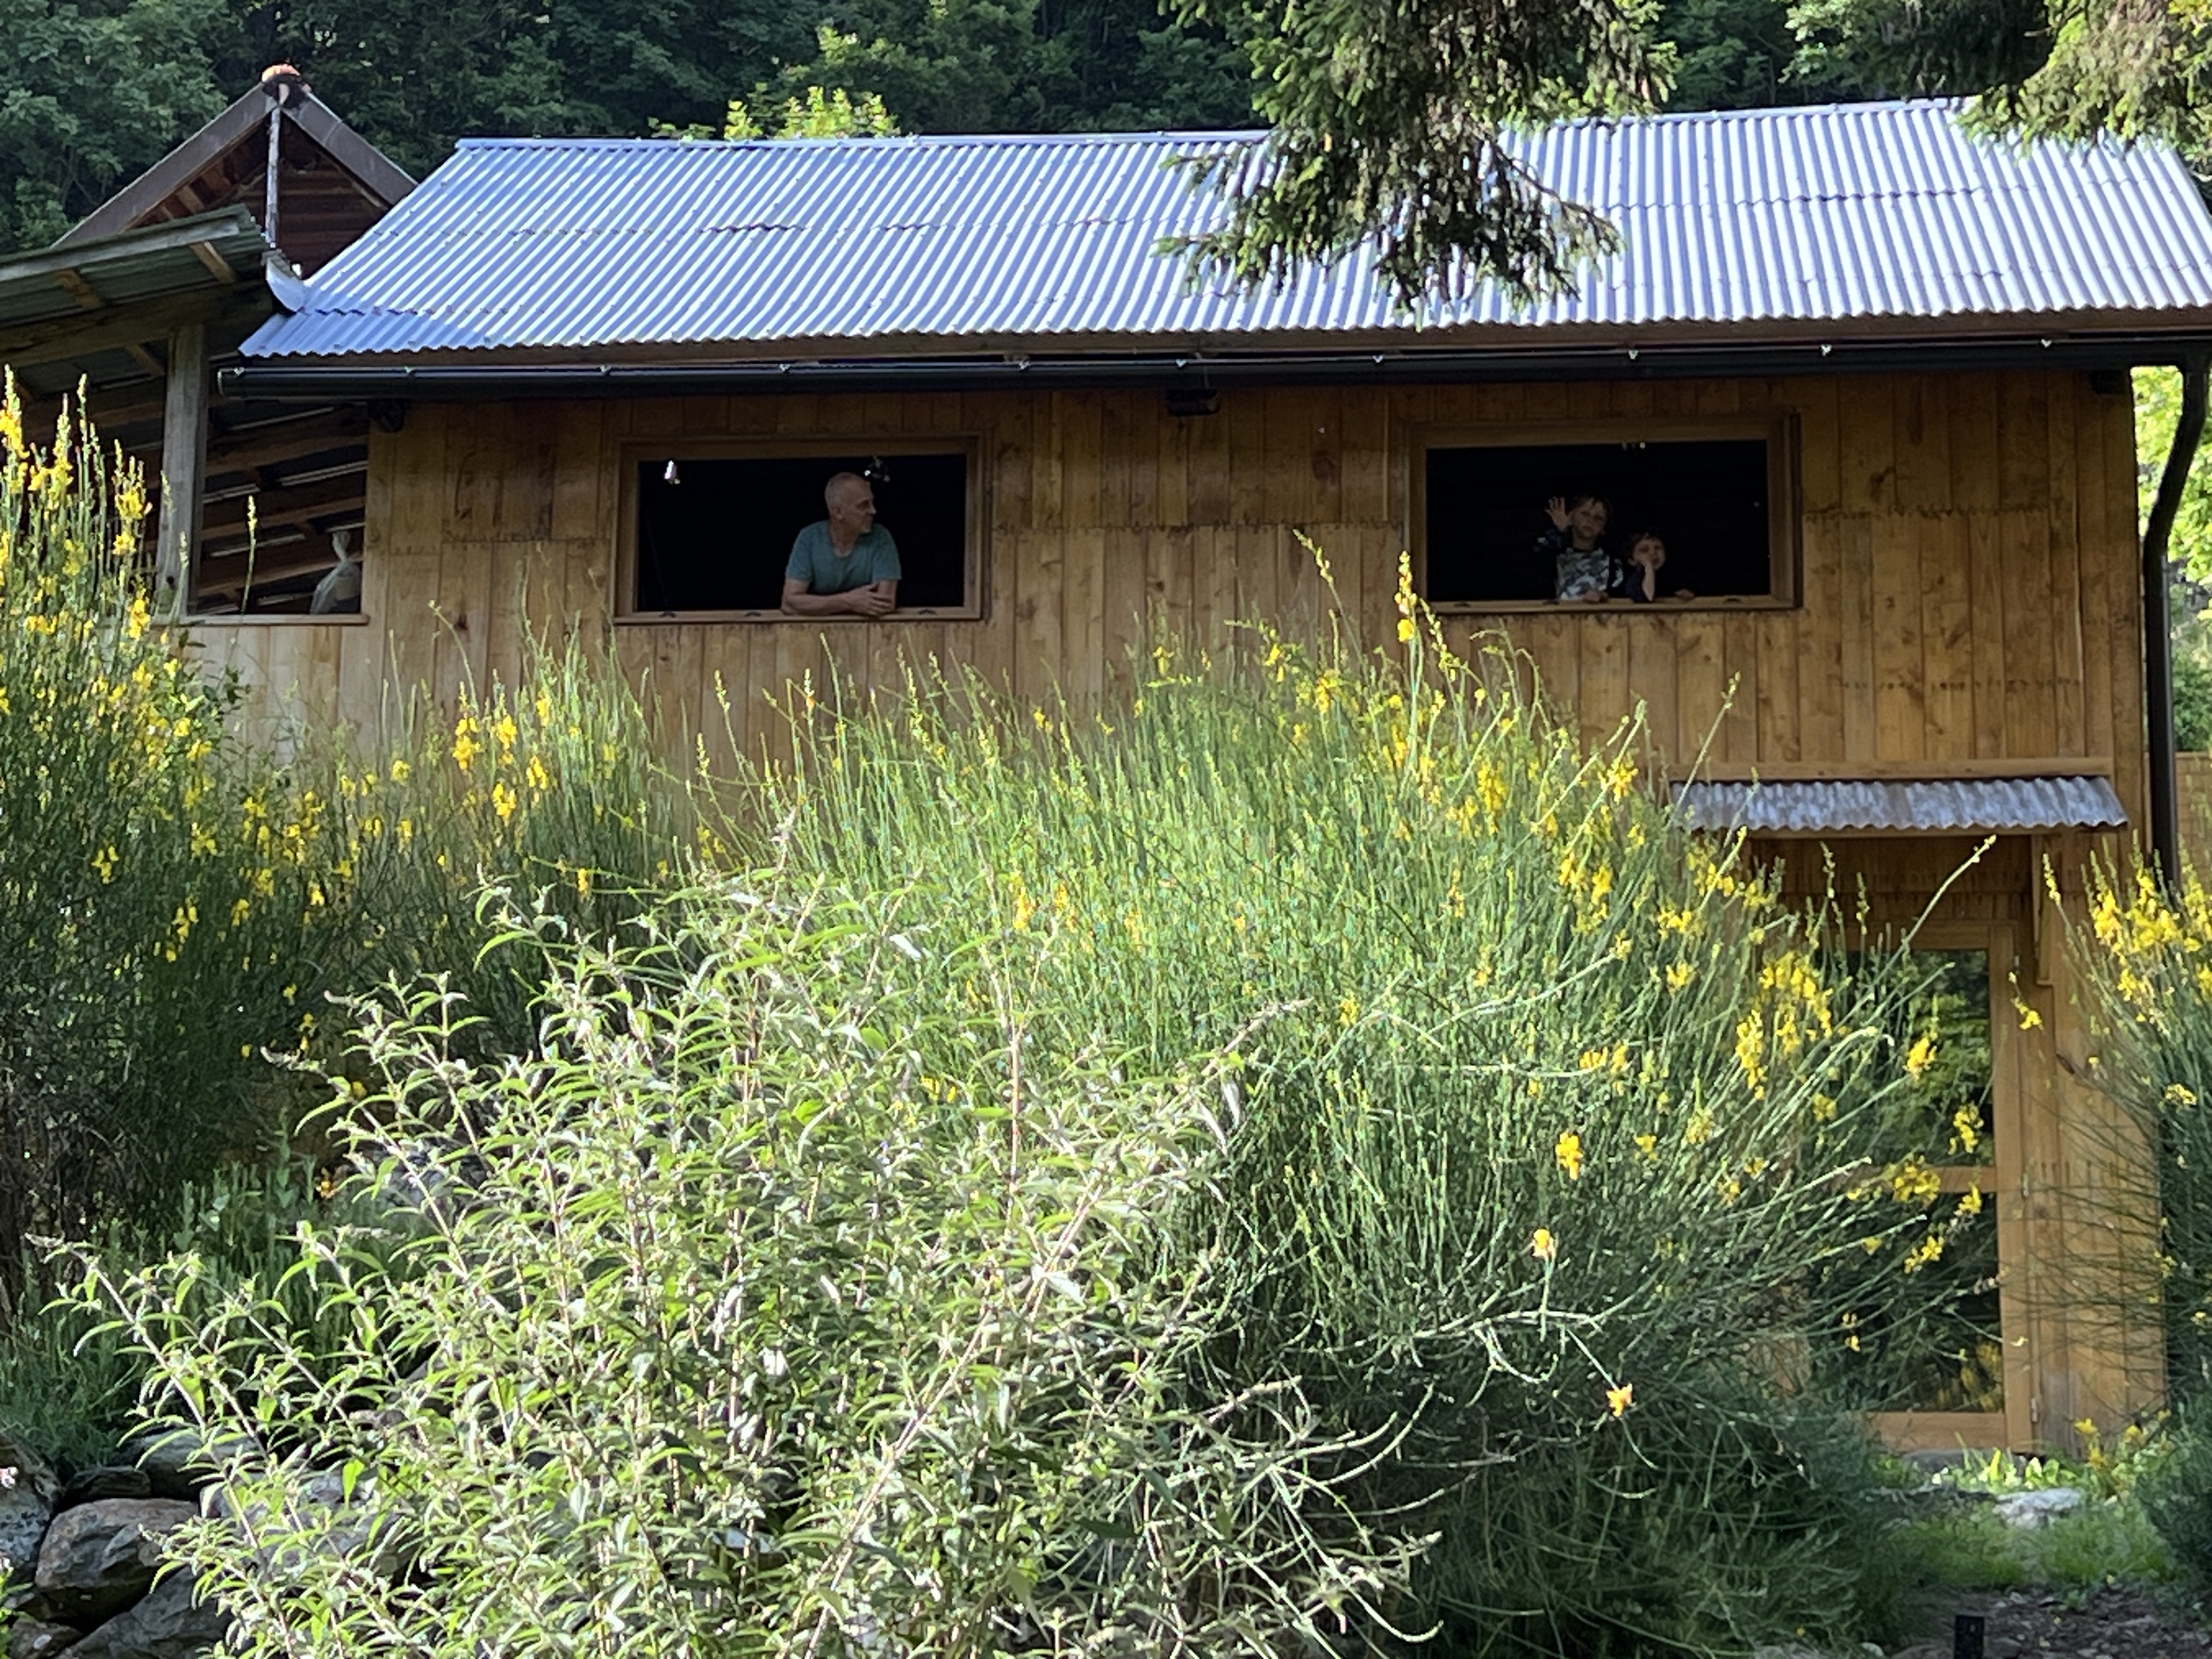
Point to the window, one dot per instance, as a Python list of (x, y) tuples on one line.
[(1719, 497), (711, 527)]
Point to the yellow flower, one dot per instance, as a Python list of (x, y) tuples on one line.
[(400, 770), (104, 862), (504, 800), (1680, 976), (1543, 1246), (1617, 1401), (1970, 1202), (1922, 1254), (1569, 1151), (2179, 1094), (1647, 1147), (1405, 630), (1920, 1056), (1347, 1011)]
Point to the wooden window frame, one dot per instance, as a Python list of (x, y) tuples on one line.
[(1778, 429), (970, 445)]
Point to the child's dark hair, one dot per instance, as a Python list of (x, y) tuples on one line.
[(1646, 535), (1588, 498)]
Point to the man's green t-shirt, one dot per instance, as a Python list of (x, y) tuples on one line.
[(874, 558)]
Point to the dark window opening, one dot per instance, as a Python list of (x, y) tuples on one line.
[(715, 534), (1709, 502)]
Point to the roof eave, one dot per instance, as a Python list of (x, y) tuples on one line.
[(976, 365)]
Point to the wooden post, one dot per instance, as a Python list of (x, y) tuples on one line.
[(183, 464)]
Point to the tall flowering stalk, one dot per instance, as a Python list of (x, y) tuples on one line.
[(153, 881)]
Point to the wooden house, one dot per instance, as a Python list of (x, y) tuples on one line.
[(1868, 376), (149, 295)]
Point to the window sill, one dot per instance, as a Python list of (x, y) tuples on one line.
[(277, 619), (1609, 608), (905, 613)]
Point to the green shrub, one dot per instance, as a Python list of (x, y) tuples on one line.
[(1549, 1113), (2177, 1498), (785, 1303), (70, 1382), (1307, 1153), (2145, 959), (547, 794), (154, 880)]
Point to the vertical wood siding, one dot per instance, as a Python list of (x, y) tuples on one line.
[(1968, 597)]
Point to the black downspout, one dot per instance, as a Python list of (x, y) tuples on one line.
[(2157, 625)]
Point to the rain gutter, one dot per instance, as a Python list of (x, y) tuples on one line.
[(2158, 626), (279, 378)]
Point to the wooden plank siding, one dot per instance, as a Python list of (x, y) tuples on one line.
[(1968, 604), (1966, 562)]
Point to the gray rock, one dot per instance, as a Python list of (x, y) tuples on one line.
[(318, 1519), (34, 1638), (28, 1490), (2029, 1509), (104, 1481), (1924, 1650), (168, 1624), (177, 1462), (98, 1558)]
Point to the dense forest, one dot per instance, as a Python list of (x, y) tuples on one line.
[(92, 91)]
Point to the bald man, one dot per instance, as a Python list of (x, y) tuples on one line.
[(846, 564)]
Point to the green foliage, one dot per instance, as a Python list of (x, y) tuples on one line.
[(69, 1381), (2177, 1497), (155, 879), (2192, 690), (90, 94), (2158, 406), (1391, 131), (2103, 1543), (1308, 1153), (549, 797), (2142, 960), (1743, 54), (798, 1295), (1453, 1203), (2065, 69), (836, 114)]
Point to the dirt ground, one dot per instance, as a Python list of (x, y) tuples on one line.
[(2037, 1624)]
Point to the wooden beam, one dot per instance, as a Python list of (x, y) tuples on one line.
[(1907, 771), (145, 360), (72, 283), (62, 338), (184, 458), (218, 267)]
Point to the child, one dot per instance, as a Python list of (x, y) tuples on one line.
[(1640, 580), (1576, 543)]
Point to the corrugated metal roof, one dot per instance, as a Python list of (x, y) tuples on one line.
[(1956, 803), (147, 264), (1783, 216)]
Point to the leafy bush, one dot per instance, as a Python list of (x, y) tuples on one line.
[(549, 795), (1306, 1154), (1566, 1151), (154, 882), (2143, 959), (2177, 1497), (784, 1302)]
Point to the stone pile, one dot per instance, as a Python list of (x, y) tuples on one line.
[(78, 1559)]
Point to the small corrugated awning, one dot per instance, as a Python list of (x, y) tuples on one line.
[(1860, 805)]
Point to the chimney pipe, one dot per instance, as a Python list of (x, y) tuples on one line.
[(282, 85)]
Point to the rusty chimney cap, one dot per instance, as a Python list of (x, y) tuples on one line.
[(279, 80)]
